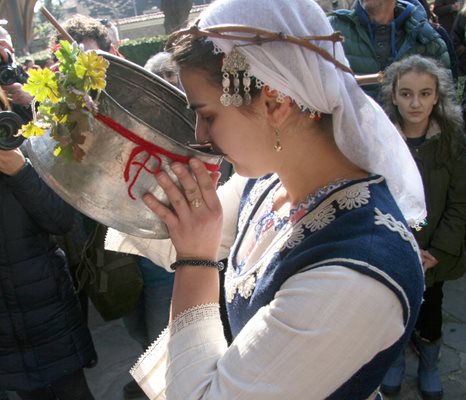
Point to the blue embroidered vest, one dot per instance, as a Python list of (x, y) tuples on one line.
[(357, 225)]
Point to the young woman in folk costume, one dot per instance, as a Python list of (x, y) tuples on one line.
[(324, 279)]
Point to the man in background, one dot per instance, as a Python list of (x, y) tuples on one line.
[(446, 11), (379, 32)]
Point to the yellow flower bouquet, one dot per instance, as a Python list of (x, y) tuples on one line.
[(66, 99)]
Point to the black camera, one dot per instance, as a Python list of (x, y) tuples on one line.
[(10, 123), (11, 73)]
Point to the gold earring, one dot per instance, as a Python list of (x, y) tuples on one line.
[(278, 146)]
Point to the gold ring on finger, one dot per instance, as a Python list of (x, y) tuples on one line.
[(196, 203)]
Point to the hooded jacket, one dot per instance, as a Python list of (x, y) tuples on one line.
[(411, 33)]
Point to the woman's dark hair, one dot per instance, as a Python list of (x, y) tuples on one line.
[(447, 112)]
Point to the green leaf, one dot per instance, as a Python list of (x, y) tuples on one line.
[(65, 96)]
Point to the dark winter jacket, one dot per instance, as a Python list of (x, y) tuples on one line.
[(458, 37), (445, 192), (411, 34), (454, 68), (43, 336), (446, 15)]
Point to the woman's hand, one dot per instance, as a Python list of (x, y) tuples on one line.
[(194, 220), (428, 260)]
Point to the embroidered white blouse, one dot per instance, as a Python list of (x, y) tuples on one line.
[(281, 352)]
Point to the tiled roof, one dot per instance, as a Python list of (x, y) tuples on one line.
[(152, 16)]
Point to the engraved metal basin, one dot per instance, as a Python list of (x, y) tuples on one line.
[(108, 183)]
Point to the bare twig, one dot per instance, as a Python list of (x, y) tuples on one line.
[(256, 36), (56, 24)]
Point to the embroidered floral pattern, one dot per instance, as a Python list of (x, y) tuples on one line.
[(354, 196), (305, 218), (296, 237), (321, 218), (246, 287), (290, 232)]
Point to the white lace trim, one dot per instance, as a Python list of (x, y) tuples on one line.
[(155, 353), (395, 226), (217, 49), (194, 314)]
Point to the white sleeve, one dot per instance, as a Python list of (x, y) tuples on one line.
[(161, 251), (321, 327)]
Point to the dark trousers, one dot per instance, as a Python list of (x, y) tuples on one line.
[(71, 387), (429, 322)]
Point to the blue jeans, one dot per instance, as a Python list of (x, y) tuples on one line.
[(150, 317)]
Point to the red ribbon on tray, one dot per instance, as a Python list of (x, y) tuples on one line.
[(143, 146)]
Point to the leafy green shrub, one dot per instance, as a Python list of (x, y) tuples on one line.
[(38, 57), (137, 50), (140, 50)]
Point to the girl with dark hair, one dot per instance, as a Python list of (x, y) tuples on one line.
[(418, 96)]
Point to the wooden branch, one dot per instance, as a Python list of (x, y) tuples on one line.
[(372, 79), (258, 36), (65, 35)]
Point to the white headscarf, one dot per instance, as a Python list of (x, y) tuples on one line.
[(362, 130)]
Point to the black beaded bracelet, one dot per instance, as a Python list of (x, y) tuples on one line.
[(198, 263)]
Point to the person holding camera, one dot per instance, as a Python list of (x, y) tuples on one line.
[(19, 102), (12, 76), (44, 341)]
